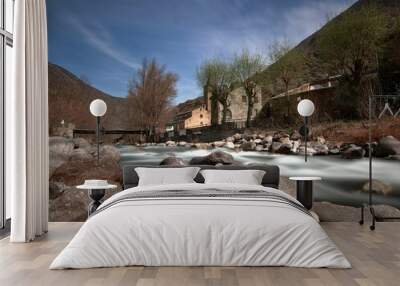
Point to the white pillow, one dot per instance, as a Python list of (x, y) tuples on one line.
[(166, 176), (247, 177)]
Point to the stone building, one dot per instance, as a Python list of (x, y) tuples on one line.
[(199, 117), (237, 106)]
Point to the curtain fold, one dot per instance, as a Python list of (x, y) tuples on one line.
[(27, 124)]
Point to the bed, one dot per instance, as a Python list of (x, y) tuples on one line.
[(201, 224)]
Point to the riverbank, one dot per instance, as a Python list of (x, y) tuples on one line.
[(279, 142), (73, 160)]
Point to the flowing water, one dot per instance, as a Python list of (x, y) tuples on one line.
[(342, 179)]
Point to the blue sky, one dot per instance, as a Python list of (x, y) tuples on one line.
[(107, 40)]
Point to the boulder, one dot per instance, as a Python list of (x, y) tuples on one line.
[(268, 139), (295, 136), (72, 204), (281, 148), (74, 173), (60, 150), (109, 152), (310, 151), (218, 144), (237, 137), (285, 140), (295, 147), (172, 161), (277, 136), (378, 187), (261, 136), (217, 157), (321, 140), (353, 152), (387, 146), (81, 154), (249, 146), (201, 146), (230, 139), (66, 203), (170, 143), (334, 151), (258, 141), (373, 148), (259, 148), (229, 145), (182, 144), (394, 157), (81, 143), (320, 149), (56, 189)]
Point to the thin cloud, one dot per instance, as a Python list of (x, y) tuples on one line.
[(99, 38)]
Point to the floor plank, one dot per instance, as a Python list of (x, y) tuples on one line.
[(375, 257)]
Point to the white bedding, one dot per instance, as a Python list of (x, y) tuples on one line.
[(200, 231)]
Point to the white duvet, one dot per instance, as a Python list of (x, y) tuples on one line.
[(200, 231)]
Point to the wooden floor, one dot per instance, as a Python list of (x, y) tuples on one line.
[(375, 257)]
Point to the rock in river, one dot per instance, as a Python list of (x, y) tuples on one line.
[(353, 152), (217, 157), (172, 161), (387, 146), (249, 146), (281, 148), (378, 187)]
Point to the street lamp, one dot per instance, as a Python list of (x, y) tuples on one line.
[(98, 108), (306, 109)]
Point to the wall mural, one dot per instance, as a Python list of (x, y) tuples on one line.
[(219, 83)]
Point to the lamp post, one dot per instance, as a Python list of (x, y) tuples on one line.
[(98, 108), (306, 109)]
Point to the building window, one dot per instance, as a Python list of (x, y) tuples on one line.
[(201, 115), (244, 99), (6, 62)]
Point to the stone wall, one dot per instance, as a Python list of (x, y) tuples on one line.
[(238, 105), (275, 109)]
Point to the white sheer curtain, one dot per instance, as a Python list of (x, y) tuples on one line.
[(27, 124)]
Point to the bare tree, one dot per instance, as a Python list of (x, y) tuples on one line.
[(244, 67), (217, 75), (151, 94), (286, 65)]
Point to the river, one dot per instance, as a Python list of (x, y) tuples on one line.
[(342, 179)]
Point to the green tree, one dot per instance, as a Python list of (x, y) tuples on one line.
[(349, 46), (244, 67), (287, 65), (216, 75)]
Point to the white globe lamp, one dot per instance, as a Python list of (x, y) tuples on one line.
[(305, 108), (98, 108)]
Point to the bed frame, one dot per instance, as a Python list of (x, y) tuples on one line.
[(270, 179)]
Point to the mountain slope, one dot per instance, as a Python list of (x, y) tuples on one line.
[(70, 97), (390, 8)]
